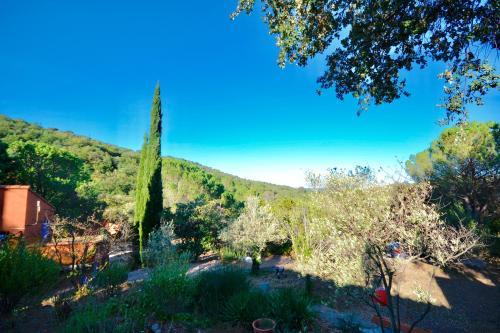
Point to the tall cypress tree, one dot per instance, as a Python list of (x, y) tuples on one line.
[(149, 196)]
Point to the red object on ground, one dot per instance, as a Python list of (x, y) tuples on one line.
[(381, 296)]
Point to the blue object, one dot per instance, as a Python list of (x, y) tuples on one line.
[(45, 230)]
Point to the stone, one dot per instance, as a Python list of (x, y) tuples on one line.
[(339, 319), (138, 275)]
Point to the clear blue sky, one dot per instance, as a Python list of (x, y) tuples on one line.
[(91, 66)]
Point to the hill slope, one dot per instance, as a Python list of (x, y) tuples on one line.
[(114, 169)]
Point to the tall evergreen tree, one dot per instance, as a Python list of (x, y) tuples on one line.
[(149, 196)]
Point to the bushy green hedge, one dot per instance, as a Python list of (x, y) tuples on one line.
[(215, 287), (23, 272), (168, 291), (111, 276), (243, 308), (291, 309)]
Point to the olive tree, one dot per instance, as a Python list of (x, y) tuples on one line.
[(253, 230), (360, 232)]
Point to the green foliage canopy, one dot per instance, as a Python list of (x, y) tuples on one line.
[(54, 173), (198, 224), (463, 165), (369, 44)]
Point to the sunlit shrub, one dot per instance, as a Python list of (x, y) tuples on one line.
[(350, 210), (198, 225), (253, 230), (159, 249), (228, 254)]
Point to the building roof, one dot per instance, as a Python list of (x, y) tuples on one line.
[(15, 186), (27, 187)]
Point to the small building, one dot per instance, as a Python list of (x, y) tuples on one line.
[(22, 211)]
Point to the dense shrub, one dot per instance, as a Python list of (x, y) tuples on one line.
[(111, 276), (214, 288), (23, 272), (221, 295), (168, 291), (228, 254), (254, 229), (351, 210), (291, 309), (198, 225), (243, 308), (98, 318), (159, 249)]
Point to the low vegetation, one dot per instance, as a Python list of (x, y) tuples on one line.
[(111, 276), (23, 272)]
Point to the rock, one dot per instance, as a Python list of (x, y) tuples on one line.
[(340, 319), (138, 275), (476, 264), (247, 260)]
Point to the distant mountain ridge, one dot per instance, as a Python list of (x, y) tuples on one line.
[(114, 169)]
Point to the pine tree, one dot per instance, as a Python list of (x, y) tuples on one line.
[(149, 196)]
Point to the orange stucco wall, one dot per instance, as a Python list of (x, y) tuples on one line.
[(19, 211), (35, 216), (13, 208)]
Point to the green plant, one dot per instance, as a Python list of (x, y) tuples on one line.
[(160, 250), (404, 35), (56, 174), (253, 230), (214, 288), (111, 276), (462, 167), (168, 291), (291, 309), (228, 254), (23, 272), (93, 318), (198, 224), (243, 308), (149, 186)]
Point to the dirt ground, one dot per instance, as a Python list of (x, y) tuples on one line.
[(464, 300)]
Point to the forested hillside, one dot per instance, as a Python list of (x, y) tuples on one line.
[(111, 172)]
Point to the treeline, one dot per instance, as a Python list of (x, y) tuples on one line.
[(103, 176)]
